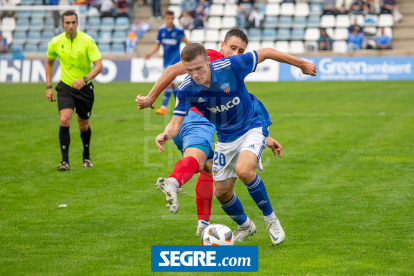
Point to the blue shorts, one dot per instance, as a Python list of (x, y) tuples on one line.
[(196, 132)]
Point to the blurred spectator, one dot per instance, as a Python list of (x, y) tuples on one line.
[(251, 2), (389, 6), (198, 18), (355, 26), (242, 16), (255, 18), (329, 7), (7, 3), (356, 40), (135, 32), (383, 41), (372, 7), (107, 8), (156, 10), (324, 41), (188, 6), (344, 5), (122, 9), (187, 21), (205, 5), (56, 16), (357, 7), (4, 46)]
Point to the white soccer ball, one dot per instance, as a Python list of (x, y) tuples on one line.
[(217, 234)]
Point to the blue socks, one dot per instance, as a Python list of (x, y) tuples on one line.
[(234, 209), (257, 191), (167, 95)]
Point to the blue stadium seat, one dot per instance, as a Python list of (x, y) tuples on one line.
[(119, 37), (26, 2), (248, 7), (260, 6), (49, 24), (121, 23), (315, 9), (270, 22), (314, 22), (38, 2), (105, 37), (22, 24), (42, 48), (118, 48), (317, 1), (30, 48), (47, 36), (285, 22), (16, 48), (298, 34), (93, 34), (23, 14), (36, 24), (94, 23), (269, 35), (283, 34), (104, 47), (299, 22), (19, 37), (39, 14), (255, 34), (33, 37), (108, 23)]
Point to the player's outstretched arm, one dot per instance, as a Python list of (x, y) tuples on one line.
[(274, 146), (171, 130), (308, 68), (166, 78), (50, 95)]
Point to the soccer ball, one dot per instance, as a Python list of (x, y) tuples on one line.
[(217, 234)]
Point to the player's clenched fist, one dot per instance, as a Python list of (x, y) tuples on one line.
[(143, 102), (161, 140), (50, 95), (308, 68)]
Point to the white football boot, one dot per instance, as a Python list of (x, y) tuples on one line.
[(277, 235), (242, 233), (202, 224), (170, 191)]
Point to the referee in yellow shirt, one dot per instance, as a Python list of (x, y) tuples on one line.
[(76, 51)]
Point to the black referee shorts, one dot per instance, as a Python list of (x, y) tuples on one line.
[(82, 100)]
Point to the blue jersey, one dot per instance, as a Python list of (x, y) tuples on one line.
[(171, 41), (226, 103)]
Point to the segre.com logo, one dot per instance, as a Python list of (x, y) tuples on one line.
[(197, 258)]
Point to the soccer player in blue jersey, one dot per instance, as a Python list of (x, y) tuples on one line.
[(218, 91), (170, 37)]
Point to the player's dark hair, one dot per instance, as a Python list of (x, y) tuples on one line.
[(192, 50), (237, 33), (168, 12), (69, 13)]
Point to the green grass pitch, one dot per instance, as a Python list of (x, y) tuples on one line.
[(343, 190)]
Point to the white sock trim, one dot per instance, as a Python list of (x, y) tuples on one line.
[(270, 217), (246, 223)]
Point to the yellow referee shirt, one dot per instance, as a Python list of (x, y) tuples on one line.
[(75, 55)]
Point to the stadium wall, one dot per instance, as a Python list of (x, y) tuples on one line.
[(139, 70)]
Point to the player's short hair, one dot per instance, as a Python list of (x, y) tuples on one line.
[(237, 33), (168, 12), (69, 13), (192, 50)]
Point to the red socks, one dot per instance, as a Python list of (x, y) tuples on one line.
[(185, 169), (204, 195)]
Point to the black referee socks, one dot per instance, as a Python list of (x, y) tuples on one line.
[(86, 139), (64, 139)]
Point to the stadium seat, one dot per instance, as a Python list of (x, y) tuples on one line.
[(387, 30), (314, 22), (282, 46), (370, 31), (175, 2), (42, 48), (214, 22), (328, 21), (223, 33), (23, 14), (197, 36), (254, 45), (19, 37), (270, 22), (274, 1), (301, 9), (22, 24), (230, 10), (285, 22), (49, 24), (312, 34), (94, 23), (47, 36), (339, 47), (272, 9), (38, 2), (33, 37), (30, 48), (8, 36), (269, 34), (315, 9), (176, 10), (330, 32), (254, 34), (297, 34), (121, 23), (248, 7), (38, 14), (229, 22), (317, 1), (211, 45), (371, 20), (105, 37), (93, 34), (341, 34), (212, 36), (296, 47), (107, 23), (118, 48), (216, 10), (360, 19), (36, 24), (267, 44), (283, 34), (104, 47), (119, 37), (27, 2), (311, 46), (299, 22), (260, 6), (16, 48), (287, 9), (342, 21), (385, 20)]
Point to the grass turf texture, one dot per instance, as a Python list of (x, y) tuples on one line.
[(343, 189)]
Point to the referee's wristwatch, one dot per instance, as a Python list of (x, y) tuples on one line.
[(86, 80)]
